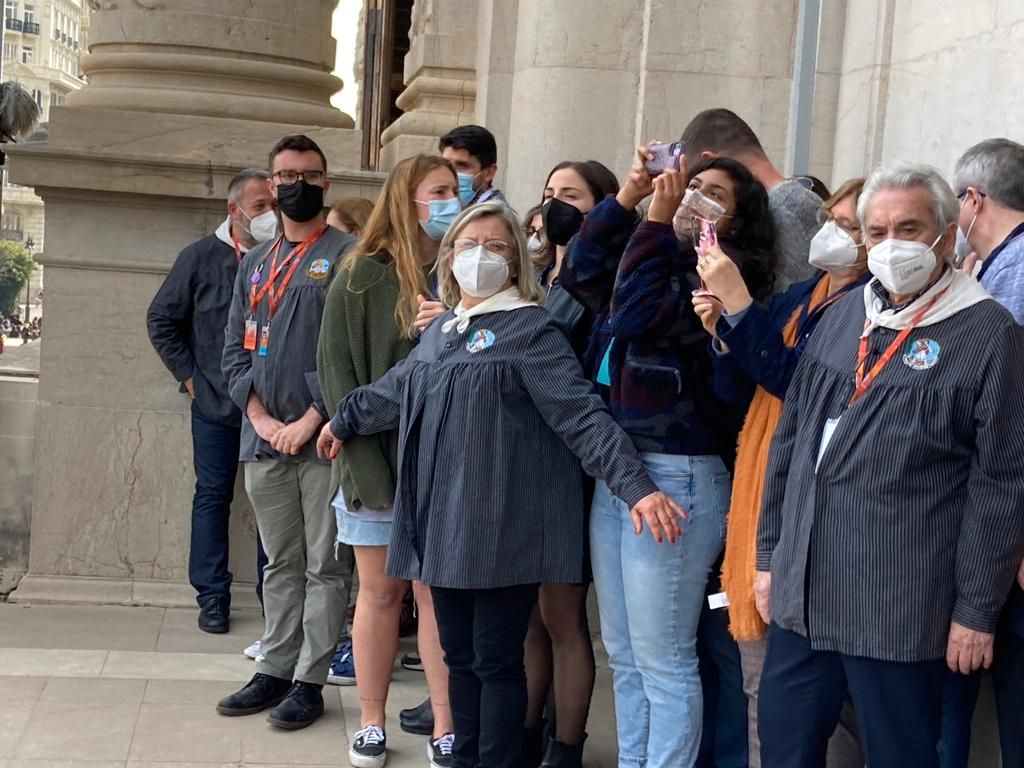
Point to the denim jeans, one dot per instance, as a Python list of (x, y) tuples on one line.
[(650, 597)]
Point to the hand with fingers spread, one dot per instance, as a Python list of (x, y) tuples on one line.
[(660, 513), (638, 184), (428, 310), (968, 649), (722, 277), (669, 188), (327, 445)]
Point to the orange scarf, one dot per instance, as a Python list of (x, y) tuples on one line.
[(747, 488)]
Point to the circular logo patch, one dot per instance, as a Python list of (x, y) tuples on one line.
[(319, 269), (921, 354), (480, 340)]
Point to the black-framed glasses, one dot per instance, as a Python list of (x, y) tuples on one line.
[(290, 177)]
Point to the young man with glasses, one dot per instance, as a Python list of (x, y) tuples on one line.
[(270, 365)]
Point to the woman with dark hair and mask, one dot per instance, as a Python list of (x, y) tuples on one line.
[(559, 651), (649, 356)]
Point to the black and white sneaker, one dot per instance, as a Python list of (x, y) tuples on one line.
[(369, 748), (439, 751)]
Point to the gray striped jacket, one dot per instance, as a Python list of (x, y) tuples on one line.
[(915, 516), (489, 489)]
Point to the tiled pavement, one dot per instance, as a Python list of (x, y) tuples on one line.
[(118, 687)]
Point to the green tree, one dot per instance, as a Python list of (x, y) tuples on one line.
[(16, 268)]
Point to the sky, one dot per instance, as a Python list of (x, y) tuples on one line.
[(345, 26)]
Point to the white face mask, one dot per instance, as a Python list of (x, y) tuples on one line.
[(963, 243), (903, 266), (480, 273), (262, 227), (833, 248), (534, 243)]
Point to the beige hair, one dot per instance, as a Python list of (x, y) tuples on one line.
[(524, 278)]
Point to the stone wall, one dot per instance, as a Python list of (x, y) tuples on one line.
[(17, 439)]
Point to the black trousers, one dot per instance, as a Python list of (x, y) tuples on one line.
[(482, 633), (898, 705)]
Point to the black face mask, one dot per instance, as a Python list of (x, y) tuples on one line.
[(561, 221), (300, 201)]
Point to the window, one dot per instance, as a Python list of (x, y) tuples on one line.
[(10, 51), (10, 9), (37, 97), (30, 14), (56, 99), (27, 55)]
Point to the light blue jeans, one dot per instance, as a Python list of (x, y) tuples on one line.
[(650, 598)]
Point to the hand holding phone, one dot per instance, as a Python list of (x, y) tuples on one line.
[(664, 157)]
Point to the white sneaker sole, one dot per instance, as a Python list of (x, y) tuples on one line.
[(430, 758), (362, 761), (343, 681)]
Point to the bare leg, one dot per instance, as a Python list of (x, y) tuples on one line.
[(563, 607), (538, 669), (375, 632), (434, 668)]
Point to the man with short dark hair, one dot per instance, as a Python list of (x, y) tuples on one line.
[(794, 207), (270, 365), (474, 153), (186, 327)]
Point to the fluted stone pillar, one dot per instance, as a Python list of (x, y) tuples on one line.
[(181, 95), (440, 78)]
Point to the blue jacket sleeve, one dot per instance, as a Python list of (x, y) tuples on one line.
[(1006, 284), (592, 257), (730, 382), (756, 346)]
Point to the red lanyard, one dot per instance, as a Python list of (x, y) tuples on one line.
[(294, 258), (862, 381)]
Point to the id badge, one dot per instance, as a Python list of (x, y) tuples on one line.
[(264, 340), (249, 343)]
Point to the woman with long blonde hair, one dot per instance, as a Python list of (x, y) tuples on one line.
[(369, 325)]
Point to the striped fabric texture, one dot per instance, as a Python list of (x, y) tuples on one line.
[(491, 422), (915, 516)]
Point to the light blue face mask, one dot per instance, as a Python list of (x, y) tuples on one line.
[(442, 214), (466, 191)]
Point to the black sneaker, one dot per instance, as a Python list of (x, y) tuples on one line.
[(214, 615), (259, 693), (302, 707), (439, 751), (413, 662), (369, 748), (418, 720)]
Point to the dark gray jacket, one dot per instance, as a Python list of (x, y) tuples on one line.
[(491, 423)]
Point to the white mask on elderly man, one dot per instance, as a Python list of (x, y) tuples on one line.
[(479, 272), (903, 266), (833, 248)]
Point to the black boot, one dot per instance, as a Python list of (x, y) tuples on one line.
[(214, 615), (259, 693), (561, 755), (301, 707), (418, 720), (533, 746)]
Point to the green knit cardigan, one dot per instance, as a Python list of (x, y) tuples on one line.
[(359, 342)]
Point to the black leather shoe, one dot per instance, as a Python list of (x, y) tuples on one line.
[(418, 720), (561, 755), (214, 616), (301, 707), (259, 693)]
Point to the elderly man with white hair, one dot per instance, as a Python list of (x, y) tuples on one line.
[(893, 514)]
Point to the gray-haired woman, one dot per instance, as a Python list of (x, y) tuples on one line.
[(493, 410)]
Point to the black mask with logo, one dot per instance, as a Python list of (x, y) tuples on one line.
[(300, 201), (561, 221)]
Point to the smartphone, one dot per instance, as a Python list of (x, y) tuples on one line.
[(666, 156)]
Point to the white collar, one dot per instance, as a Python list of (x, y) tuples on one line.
[(957, 291), (223, 234), (504, 301)]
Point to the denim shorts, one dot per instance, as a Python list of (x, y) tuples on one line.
[(367, 528)]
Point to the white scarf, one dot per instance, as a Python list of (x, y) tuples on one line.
[(223, 234), (964, 291), (504, 301)]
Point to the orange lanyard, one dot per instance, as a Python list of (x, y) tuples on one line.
[(294, 258), (861, 380)]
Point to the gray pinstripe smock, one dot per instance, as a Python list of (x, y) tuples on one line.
[(915, 516), (491, 422)]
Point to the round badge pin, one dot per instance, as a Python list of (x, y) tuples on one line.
[(319, 269), (921, 354), (480, 340)]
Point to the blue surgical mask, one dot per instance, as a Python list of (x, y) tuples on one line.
[(466, 191), (442, 214)]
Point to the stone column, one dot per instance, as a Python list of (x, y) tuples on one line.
[(182, 94), (497, 27), (440, 78)]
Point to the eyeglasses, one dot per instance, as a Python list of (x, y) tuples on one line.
[(963, 193), (499, 247), (531, 231), (290, 177)]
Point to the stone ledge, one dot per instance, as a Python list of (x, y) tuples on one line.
[(91, 590)]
